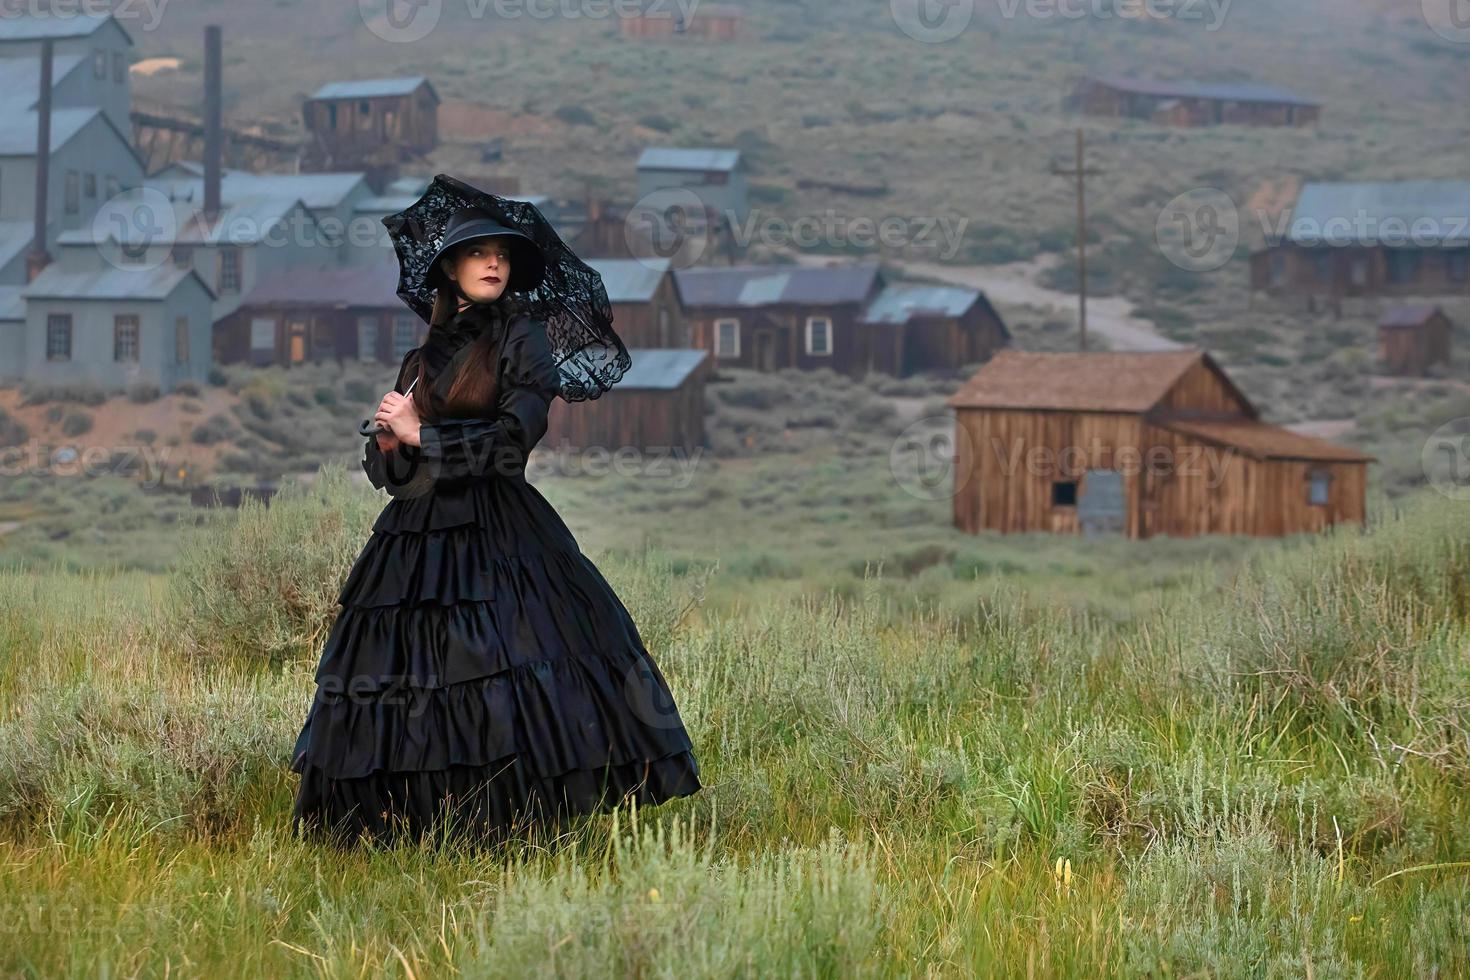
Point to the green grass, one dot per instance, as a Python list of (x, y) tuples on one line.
[(1263, 772)]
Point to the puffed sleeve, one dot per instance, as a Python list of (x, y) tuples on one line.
[(399, 472), (500, 445)]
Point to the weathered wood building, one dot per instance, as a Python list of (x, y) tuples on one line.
[(707, 21), (371, 125), (1139, 444), (1194, 104), (645, 303), (1412, 339), (658, 405), (1409, 238), (843, 316)]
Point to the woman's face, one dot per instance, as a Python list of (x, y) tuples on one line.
[(481, 267)]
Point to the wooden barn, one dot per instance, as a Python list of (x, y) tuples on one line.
[(1138, 444), (310, 313), (931, 328), (1407, 238), (1194, 103), (707, 21), (644, 302), (370, 124), (658, 405), (1412, 339)]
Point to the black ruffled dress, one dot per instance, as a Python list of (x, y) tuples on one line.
[(481, 674)]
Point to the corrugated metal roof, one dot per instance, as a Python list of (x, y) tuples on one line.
[(630, 280), (900, 302), (18, 127), (110, 283), (1387, 213), (693, 158), (318, 191), (243, 222), (368, 88), (1264, 441), (660, 368), (12, 303), (1225, 91), (409, 185), (1407, 316), (15, 237), (764, 285), (36, 27), (385, 205), (1079, 381), (368, 285), (20, 77)]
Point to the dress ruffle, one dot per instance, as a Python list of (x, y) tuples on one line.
[(482, 671)]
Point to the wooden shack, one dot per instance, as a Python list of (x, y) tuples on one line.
[(657, 406), (918, 327), (1412, 339), (645, 304), (359, 125), (1138, 444), (1186, 103), (707, 21)]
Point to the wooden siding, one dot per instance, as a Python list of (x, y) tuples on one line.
[(1412, 350), (1204, 391), (1343, 271), (638, 323), (644, 419)]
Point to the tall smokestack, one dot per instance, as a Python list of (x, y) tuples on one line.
[(213, 95), (38, 258)]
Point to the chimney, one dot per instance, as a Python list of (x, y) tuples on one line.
[(212, 110), (38, 258)]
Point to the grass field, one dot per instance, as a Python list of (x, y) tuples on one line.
[(1260, 774)]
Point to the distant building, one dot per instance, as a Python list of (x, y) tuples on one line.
[(12, 333), (645, 303), (1138, 444), (1410, 238), (341, 313), (371, 124), (1194, 103), (842, 316), (667, 177), (117, 327), (97, 41), (659, 405), (1412, 339), (707, 21)]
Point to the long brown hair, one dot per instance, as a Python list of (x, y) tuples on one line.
[(476, 385)]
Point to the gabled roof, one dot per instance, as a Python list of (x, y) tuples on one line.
[(692, 158), (900, 302), (20, 76), (1078, 381), (660, 368), (318, 191), (772, 285), (630, 280), (1421, 213), (15, 238), (371, 285), (1408, 316), (242, 222), (1223, 91), (56, 26), (18, 127), (112, 283), (1261, 440), (368, 88), (12, 304)]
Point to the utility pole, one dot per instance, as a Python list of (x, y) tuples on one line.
[(1081, 172)]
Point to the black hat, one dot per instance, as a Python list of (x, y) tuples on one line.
[(527, 264)]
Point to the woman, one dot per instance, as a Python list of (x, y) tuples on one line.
[(481, 672)]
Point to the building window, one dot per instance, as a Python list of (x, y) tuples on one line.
[(181, 340), (99, 63), (367, 338), (1403, 265), (322, 339), (89, 185), (818, 335), (125, 337), (1064, 493), (332, 116), (364, 108), (405, 334), (73, 203), (263, 334), (1457, 265), (1318, 484), (229, 270), (58, 337), (119, 67), (727, 338), (663, 326)]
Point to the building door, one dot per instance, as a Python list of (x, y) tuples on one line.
[(765, 350), (1102, 508), (296, 340)]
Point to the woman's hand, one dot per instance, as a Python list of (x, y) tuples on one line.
[(398, 415), (387, 442)]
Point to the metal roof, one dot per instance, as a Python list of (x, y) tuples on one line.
[(1383, 213), (900, 302), (112, 283), (242, 222), (1263, 440), (630, 280), (12, 303), (37, 27), (20, 76), (1224, 91), (368, 88), (660, 368), (695, 158), (768, 285), (409, 185), (387, 205), (1407, 316), (15, 237), (318, 191), (18, 124), (366, 285)]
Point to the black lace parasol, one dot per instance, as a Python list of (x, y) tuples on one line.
[(571, 300)]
